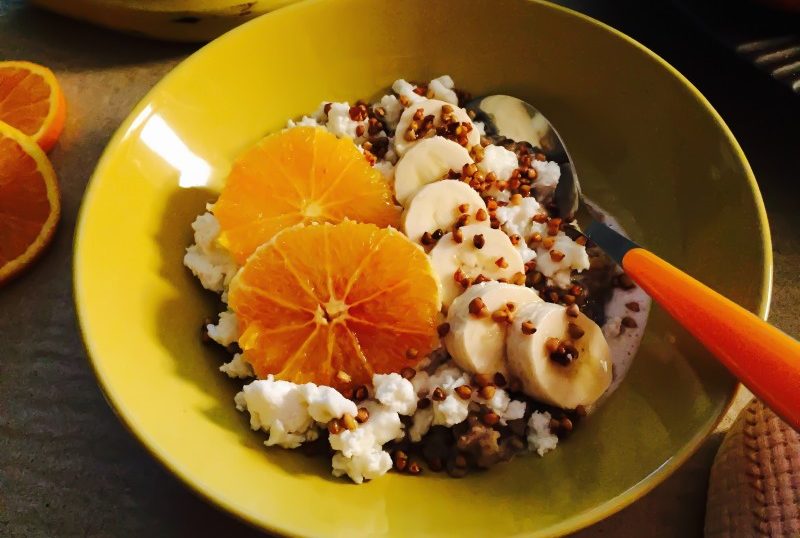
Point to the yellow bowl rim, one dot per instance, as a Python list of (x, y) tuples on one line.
[(574, 523)]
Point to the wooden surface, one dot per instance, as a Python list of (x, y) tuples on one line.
[(68, 467)]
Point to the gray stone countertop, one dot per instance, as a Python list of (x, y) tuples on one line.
[(69, 468)]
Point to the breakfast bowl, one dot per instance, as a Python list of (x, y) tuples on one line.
[(650, 150)]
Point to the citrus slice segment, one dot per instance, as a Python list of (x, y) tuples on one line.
[(29, 201), (32, 101), (334, 303), (300, 175)]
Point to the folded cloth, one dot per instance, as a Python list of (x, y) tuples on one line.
[(754, 488)]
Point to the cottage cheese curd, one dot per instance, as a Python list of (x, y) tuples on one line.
[(575, 258), (395, 392), (226, 331), (237, 367), (392, 109), (361, 455), (518, 220), (547, 176), (499, 160), (280, 409), (540, 439), (340, 124), (405, 89), (442, 89), (208, 261)]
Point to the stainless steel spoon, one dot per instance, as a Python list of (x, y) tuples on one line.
[(765, 359)]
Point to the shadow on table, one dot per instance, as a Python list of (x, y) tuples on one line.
[(60, 42), (187, 309)]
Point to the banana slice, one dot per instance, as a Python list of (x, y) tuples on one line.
[(430, 107), (579, 376), (426, 162), (436, 207), (478, 344), (495, 259)]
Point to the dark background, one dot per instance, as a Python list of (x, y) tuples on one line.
[(67, 466)]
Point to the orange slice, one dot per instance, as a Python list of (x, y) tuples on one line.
[(334, 303), (32, 101), (300, 175), (29, 202)]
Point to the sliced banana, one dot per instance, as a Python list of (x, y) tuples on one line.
[(436, 207), (564, 384), (429, 107), (478, 344), (495, 259), (426, 162)]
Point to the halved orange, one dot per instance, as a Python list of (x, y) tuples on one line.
[(29, 201), (334, 303), (32, 101), (300, 175)]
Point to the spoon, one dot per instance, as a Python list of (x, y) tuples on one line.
[(762, 357)]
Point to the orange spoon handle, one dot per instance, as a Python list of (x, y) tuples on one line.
[(765, 359)]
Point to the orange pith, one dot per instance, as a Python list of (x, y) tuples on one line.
[(300, 175), (31, 100), (323, 299), (29, 201)]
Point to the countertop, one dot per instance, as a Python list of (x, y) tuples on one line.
[(69, 468)]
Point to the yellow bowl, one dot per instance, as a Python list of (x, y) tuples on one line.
[(648, 146)]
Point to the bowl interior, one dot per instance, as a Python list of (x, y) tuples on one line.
[(648, 148)]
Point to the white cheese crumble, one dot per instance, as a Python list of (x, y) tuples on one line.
[(395, 392), (547, 176), (279, 408), (423, 420), (362, 466), (360, 451), (226, 331), (382, 426), (540, 439), (340, 124), (442, 89), (452, 409), (237, 368), (498, 402), (392, 110), (502, 404), (518, 220), (500, 196), (448, 377), (326, 403), (499, 160), (575, 257), (405, 89), (289, 412), (209, 262), (292, 414), (305, 121), (420, 381), (515, 410)]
